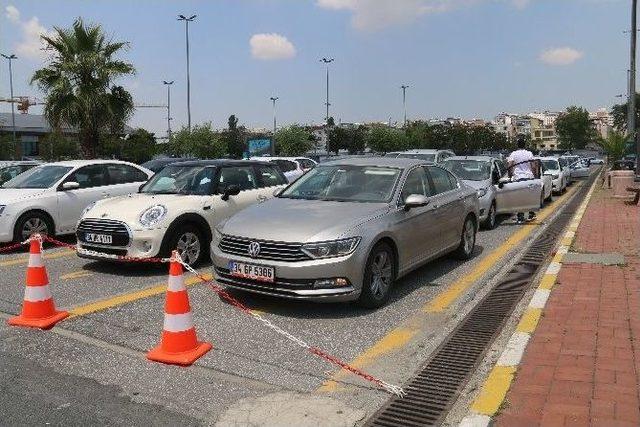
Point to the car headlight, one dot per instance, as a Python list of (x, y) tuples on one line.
[(87, 209), (152, 215), (2, 208), (330, 249), (481, 192)]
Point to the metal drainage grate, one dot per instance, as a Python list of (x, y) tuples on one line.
[(438, 384)]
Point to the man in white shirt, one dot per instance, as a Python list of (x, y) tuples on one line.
[(521, 167)]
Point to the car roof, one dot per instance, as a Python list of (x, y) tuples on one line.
[(19, 162), (268, 158), (377, 161), (76, 163), (477, 158), (547, 158), (220, 162)]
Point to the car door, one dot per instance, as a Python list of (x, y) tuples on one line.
[(93, 182), (418, 239), (270, 179), (242, 176), (123, 179), (448, 207)]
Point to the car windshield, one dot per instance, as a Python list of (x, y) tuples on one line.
[(550, 165), (345, 183), (181, 180), (426, 157), (471, 170), (40, 177)]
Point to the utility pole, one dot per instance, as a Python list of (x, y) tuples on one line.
[(631, 105), (327, 61), (404, 102), (168, 84), (273, 140), (13, 111), (186, 31)]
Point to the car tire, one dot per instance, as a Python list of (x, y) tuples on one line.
[(491, 221), (188, 238), (32, 222), (379, 275), (467, 240), (542, 199), (550, 198)]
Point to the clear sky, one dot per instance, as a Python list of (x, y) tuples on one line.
[(468, 58)]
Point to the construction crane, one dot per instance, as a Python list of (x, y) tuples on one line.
[(24, 102)]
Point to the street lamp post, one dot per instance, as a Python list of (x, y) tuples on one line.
[(10, 58), (631, 105), (186, 32), (168, 84), (404, 102), (273, 145), (327, 61)]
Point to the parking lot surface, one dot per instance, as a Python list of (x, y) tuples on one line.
[(98, 354)]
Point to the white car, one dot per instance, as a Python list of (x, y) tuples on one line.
[(50, 198), (547, 181), (292, 167), (558, 175), (565, 162), (579, 169), (177, 209), (429, 155)]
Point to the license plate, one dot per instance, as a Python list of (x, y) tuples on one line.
[(105, 239), (251, 271)]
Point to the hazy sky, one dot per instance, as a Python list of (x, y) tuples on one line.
[(469, 58)]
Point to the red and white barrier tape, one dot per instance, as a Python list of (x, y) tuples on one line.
[(398, 391)]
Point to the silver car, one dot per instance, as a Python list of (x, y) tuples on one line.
[(428, 155), (346, 230), (497, 195)]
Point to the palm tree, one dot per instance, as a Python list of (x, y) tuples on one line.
[(79, 83), (614, 145)]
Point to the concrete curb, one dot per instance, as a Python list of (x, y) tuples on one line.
[(495, 387)]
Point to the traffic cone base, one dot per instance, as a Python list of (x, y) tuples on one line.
[(185, 358), (41, 323)]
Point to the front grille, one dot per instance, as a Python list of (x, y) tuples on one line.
[(103, 250), (226, 277), (278, 251), (116, 229)]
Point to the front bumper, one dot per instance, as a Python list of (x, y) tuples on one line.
[(296, 279), (6, 229), (143, 243), (484, 206)]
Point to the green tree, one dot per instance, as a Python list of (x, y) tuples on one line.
[(80, 84), (331, 122), (293, 140), (7, 147), (137, 147), (383, 139), (351, 139), (56, 146), (202, 142), (619, 113), (574, 129), (234, 138), (615, 146)]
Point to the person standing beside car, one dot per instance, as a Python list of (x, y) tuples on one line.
[(521, 168)]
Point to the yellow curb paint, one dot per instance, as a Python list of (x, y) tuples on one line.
[(76, 275), (547, 282), (494, 390), (529, 320), (557, 258), (392, 341), (127, 298), (443, 300), (25, 260), (567, 241)]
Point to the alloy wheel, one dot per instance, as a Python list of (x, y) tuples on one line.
[(469, 236), (381, 274), (34, 225), (189, 247), (492, 216)]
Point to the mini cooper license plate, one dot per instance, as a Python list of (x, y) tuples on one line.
[(105, 239), (251, 271)]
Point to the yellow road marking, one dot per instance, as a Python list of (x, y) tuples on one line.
[(548, 280), (442, 301), (76, 275), (529, 320), (494, 390), (127, 298), (393, 340), (25, 260)]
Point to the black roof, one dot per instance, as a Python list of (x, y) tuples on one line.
[(220, 162)]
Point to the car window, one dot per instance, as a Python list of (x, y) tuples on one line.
[(306, 163), (242, 176), (440, 179), (285, 165), (89, 176), (269, 176), (416, 183), (9, 172), (39, 177), (124, 174)]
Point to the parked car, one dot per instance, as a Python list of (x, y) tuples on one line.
[(346, 230), (559, 179), (293, 167), (9, 170), (597, 161), (496, 194), (547, 180), (564, 164), (156, 165), (579, 169), (176, 209), (431, 156), (50, 198)]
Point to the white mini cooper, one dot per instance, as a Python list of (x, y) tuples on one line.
[(176, 209)]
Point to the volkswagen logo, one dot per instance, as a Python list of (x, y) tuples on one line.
[(254, 249)]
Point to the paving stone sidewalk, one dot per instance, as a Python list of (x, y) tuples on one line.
[(582, 365)]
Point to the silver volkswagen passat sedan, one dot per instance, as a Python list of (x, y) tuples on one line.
[(346, 230)]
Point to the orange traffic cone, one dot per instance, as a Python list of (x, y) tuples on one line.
[(179, 344), (38, 309)]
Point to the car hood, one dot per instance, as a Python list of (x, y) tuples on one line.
[(12, 195), (295, 220), (129, 207)]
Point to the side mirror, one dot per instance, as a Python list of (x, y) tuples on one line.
[(277, 192), (232, 190), (503, 181), (70, 185), (415, 201)]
